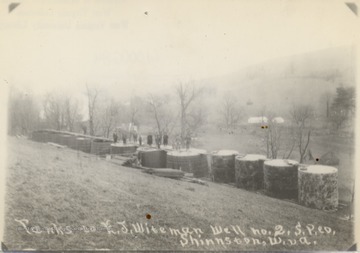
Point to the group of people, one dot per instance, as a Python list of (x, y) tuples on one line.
[(135, 137), (164, 139), (178, 142), (158, 138)]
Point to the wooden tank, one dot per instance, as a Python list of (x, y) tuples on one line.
[(83, 144), (318, 187), (152, 157), (203, 169), (64, 139), (100, 147), (36, 136), (72, 142), (249, 173), (281, 178), (57, 138), (52, 137), (223, 166), (119, 148), (185, 160)]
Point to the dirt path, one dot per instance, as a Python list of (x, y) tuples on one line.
[(53, 187)]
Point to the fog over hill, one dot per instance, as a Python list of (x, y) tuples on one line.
[(274, 85), (279, 83)]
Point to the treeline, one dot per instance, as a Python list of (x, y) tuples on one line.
[(185, 110), (99, 114), (296, 135), (28, 112), (341, 109)]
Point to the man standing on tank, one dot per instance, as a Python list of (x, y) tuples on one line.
[(149, 139), (165, 139), (115, 137), (188, 141)]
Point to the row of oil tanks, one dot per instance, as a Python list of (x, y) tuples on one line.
[(85, 143), (313, 186)]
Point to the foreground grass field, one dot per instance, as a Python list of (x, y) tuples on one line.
[(60, 199)]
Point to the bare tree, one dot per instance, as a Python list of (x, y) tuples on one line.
[(110, 117), (61, 112), (92, 95), (230, 111), (186, 93), (328, 97), (24, 114), (291, 142), (197, 118), (301, 116), (343, 107), (135, 109), (54, 111), (162, 117), (72, 114), (273, 133)]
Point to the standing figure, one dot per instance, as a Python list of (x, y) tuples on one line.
[(158, 140), (115, 137), (135, 136), (187, 141), (140, 140), (178, 143), (149, 139), (124, 138), (166, 140), (173, 143), (84, 128)]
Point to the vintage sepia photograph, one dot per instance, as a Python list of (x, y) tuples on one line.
[(178, 125)]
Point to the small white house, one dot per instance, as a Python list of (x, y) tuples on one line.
[(257, 120), (278, 120)]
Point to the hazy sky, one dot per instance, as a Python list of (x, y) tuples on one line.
[(62, 45)]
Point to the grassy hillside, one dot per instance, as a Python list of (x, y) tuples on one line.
[(60, 187)]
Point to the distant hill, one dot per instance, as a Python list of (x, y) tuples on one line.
[(277, 84)]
